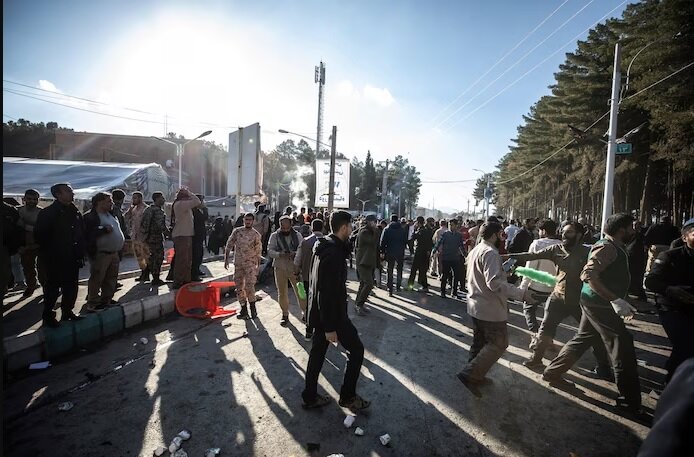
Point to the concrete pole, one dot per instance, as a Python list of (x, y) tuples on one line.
[(331, 185), (179, 151), (238, 176), (612, 144)]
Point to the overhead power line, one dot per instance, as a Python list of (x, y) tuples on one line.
[(7, 115), (594, 124), (517, 62), (533, 68), (497, 62)]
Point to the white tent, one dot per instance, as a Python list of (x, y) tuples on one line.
[(86, 178)]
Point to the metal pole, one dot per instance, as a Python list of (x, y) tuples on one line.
[(486, 196), (384, 189), (238, 175), (612, 144), (331, 185), (179, 151), (320, 79)]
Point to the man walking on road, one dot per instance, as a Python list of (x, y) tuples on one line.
[(105, 240), (282, 247), (672, 278), (59, 232), (154, 231), (452, 253), (133, 218), (424, 237), (303, 261), (569, 256), (488, 292), (367, 260), (436, 256), (328, 315), (262, 224), (246, 244), (393, 243), (29, 252), (606, 283)]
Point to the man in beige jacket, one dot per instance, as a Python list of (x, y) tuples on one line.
[(182, 233)]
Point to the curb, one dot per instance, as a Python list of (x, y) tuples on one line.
[(164, 267), (46, 343)]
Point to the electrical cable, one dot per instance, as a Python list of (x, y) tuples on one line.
[(497, 63), (517, 62), (532, 69)]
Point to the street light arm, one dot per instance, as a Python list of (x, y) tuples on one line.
[(304, 137), (165, 141)]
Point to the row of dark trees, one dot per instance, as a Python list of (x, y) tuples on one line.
[(658, 177), (291, 162)]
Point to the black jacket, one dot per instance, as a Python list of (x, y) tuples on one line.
[(394, 241), (59, 232), (328, 284), (200, 216), (521, 242), (425, 240), (662, 234), (672, 268)]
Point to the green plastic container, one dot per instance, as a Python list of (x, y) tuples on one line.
[(301, 290)]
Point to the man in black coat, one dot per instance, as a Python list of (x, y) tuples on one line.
[(200, 216), (424, 236), (59, 232), (393, 243), (327, 314)]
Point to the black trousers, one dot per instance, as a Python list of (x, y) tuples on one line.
[(679, 327), (391, 265), (348, 337), (198, 251), (420, 265), (60, 278), (605, 323), (451, 273)]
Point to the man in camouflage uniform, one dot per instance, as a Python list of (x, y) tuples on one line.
[(153, 232), (246, 244), (133, 218)]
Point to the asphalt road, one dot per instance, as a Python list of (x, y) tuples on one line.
[(236, 385)]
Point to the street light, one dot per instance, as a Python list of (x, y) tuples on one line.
[(180, 148), (287, 132), (487, 191), (363, 204)]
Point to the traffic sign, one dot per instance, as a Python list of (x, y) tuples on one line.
[(623, 148)]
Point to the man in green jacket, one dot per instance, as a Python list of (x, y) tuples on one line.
[(367, 259)]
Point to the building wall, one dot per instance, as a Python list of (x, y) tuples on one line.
[(204, 168)]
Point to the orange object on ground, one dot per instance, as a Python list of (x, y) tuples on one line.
[(169, 255), (201, 300)]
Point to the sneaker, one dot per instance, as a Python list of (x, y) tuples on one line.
[(355, 403), (359, 309), (309, 335), (284, 321), (319, 401), (558, 381), (603, 372), (71, 317), (533, 342), (534, 365), (365, 308)]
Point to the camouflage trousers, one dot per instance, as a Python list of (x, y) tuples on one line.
[(156, 257), (245, 283), (141, 251)]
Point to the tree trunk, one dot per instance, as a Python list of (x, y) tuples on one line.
[(644, 210)]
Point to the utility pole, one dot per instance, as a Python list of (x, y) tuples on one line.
[(487, 195), (238, 176), (384, 189), (612, 145), (331, 185), (319, 78), (468, 207)]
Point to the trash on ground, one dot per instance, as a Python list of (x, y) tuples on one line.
[(185, 434), (180, 453), (40, 365), (349, 420), (66, 406), (175, 444), (144, 340), (211, 452), (385, 439), (359, 431), (159, 451)]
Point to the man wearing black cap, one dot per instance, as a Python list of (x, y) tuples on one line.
[(672, 279), (367, 259), (393, 243)]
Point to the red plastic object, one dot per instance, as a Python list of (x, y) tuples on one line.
[(169, 255), (201, 300)]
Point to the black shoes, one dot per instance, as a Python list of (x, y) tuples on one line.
[(603, 372), (284, 321), (254, 312), (71, 317), (471, 385), (144, 276), (51, 322), (534, 365), (244, 313), (309, 335), (157, 282)]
